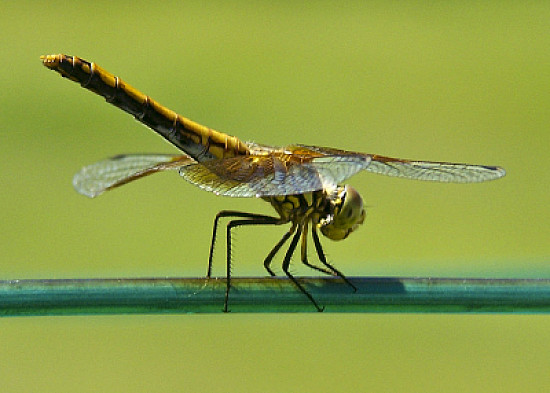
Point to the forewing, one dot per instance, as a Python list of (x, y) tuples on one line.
[(101, 176), (421, 170), (280, 172), (434, 171)]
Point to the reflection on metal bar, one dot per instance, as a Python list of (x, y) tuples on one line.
[(255, 295)]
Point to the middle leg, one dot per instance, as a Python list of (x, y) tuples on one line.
[(286, 264)]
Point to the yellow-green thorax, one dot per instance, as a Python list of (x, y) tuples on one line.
[(337, 212)]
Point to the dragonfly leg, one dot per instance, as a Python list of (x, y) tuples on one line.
[(304, 254), (253, 219), (227, 213), (286, 264), (323, 259), (269, 258)]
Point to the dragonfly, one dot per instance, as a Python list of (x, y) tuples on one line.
[(302, 183)]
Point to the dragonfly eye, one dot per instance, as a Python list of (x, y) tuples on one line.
[(347, 214)]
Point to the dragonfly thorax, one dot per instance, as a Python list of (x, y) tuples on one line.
[(345, 212), (336, 212)]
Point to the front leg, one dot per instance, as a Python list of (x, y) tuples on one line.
[(304, 253), (323, 259)]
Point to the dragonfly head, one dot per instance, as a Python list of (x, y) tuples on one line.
[(345, 214)]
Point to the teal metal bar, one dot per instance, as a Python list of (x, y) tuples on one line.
[(254, 295)]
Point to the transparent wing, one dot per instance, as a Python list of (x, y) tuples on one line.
[(97, 178), (422, 170), (285, 171), (434, 171)]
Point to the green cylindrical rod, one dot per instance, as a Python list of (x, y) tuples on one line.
[(200, 295)]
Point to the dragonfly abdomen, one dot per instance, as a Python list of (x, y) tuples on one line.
[(200, 142)]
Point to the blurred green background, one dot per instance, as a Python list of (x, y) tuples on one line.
[(452, 81)]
